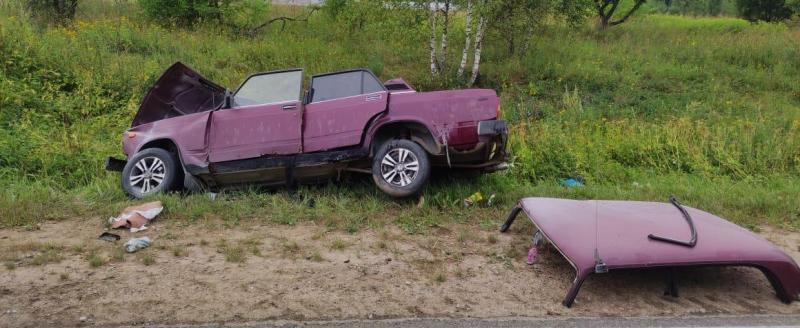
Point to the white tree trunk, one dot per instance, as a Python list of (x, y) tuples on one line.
[(467, 39), (528, 37), (443, 55), (434, 67), (478, 40)]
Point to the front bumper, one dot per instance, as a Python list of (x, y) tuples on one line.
[(114, 164)]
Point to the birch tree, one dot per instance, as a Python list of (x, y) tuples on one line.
[(432, 18), (445, 29), (467, 39), (478, 44)]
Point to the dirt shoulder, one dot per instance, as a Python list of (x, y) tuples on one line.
[(61, 274)]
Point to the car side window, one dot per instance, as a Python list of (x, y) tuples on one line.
[(345, 84), (270, 88)]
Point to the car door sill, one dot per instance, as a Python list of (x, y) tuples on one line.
[(266, 162)]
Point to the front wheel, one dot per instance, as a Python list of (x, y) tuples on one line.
[(400, 168), (150, 171)]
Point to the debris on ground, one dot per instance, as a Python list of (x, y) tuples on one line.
[(136, 244), (136, 217), (107, 236), (598, 236), (573, 182), (533, 253), (473, 199), (477, 199)]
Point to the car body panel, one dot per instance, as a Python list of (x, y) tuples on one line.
[(179, 91), (614, 234), (450, 116), (337, 123), (187, 132), (254, 131)]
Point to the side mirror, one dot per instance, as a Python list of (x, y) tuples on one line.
[(228, 99)]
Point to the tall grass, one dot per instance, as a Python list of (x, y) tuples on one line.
[(705, 108)]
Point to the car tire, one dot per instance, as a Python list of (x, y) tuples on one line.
[(400, 168), (149, 172)]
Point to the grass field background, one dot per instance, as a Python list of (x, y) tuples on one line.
[(707, 109)]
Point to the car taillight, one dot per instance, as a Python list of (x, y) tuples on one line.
[(499, 113)]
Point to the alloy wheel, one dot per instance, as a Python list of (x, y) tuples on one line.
[(147, 174), (399, 167)]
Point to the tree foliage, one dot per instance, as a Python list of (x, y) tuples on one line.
[(53, 11), (183, 12), (765, 10), (607, 8)]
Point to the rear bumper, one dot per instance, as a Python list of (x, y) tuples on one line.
[(114, 164), (497, 132)]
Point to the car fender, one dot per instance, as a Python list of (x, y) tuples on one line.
[(388, 119)]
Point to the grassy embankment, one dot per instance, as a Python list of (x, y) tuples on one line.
[(707, 109)]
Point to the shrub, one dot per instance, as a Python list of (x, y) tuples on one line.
[(764, 10), (182, 12), (58, 12)]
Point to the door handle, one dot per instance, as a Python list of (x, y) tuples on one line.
[(373, 98), (289, 107)]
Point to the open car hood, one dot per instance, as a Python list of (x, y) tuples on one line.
[(596, 236), (179, 91)]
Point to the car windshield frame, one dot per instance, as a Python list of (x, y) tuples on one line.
[(299, 97)]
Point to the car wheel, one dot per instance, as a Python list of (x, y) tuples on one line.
[(400, 168), (149, 172)]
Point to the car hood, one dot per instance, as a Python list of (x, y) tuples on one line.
[(179, 91)]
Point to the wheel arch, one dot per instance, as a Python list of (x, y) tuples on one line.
[(171, 146), (406, 129), (163, 143)]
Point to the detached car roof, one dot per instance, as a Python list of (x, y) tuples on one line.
[(600, 235)]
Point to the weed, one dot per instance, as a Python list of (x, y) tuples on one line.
[(48, 254), (316, 257), (178, 251), (95, 260), (10, 265), (491, 239), (290, 247), (232, 253), (339, 244), (63, 276), (118, 255), (148, 259), (440, 277)]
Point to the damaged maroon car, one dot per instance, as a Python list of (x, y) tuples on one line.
[(190, 132)]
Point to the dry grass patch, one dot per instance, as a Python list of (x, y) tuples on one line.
[(339, 244)]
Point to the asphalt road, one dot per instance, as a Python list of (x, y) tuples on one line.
[(694, 321)]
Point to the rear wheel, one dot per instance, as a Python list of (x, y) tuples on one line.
[(400, 168), (149, 172)]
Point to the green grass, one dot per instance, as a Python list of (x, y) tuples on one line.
[(707, 109)]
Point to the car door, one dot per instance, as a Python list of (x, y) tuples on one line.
[(341, 105), (265, 119)]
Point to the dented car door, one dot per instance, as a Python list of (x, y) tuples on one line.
[(341, 105), (264, 119)]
